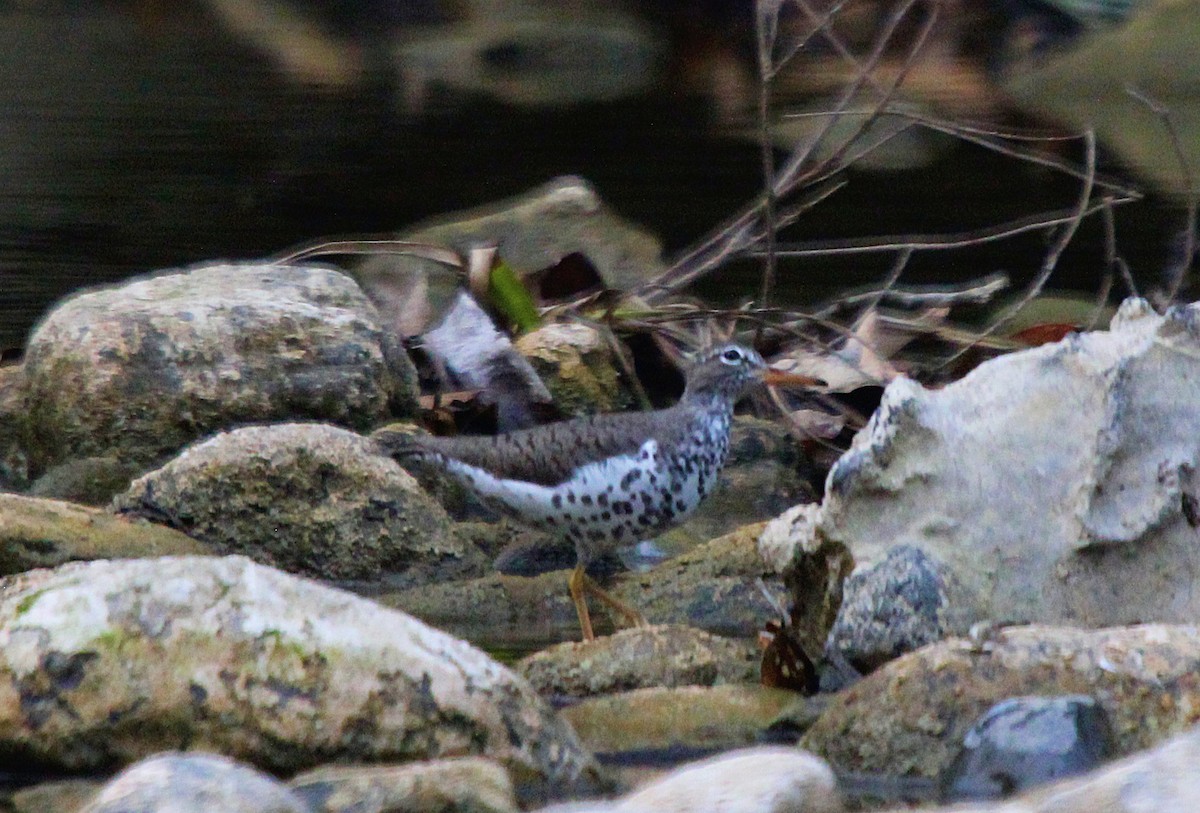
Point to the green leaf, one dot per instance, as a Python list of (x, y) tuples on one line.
[(512, 298)]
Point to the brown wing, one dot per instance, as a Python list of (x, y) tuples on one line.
[(549, 454)]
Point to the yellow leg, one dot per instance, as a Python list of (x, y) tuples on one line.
[(581, 584), (577, 584)]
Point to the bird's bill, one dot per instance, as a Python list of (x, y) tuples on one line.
[(776, 378)]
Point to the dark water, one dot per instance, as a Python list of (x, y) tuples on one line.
[(134, 138)]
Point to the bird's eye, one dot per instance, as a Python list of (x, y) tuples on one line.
[(732, 356)]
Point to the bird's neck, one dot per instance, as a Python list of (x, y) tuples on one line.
[(715, 402)]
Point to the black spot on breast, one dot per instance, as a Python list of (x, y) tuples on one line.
[(606, 516), (630, 478), (586, 499), (571, 497), (602, 499), (556, 501)]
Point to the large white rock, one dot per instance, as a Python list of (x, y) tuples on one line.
[(1058, 483), (106, 662)]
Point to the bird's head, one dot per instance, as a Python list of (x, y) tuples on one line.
[(729, 370)]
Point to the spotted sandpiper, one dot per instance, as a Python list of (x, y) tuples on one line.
[(607, 480)]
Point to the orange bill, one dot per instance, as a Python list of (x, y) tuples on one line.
[(777, 378)]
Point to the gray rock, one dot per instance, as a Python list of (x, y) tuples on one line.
[(898, 605), (1023, 742), (642, 657), (1059, 483), (909, 716), (1163, 778), (140, 369), (308, 498), (46, 533), (104, 663), (466, 785), (193, 783)]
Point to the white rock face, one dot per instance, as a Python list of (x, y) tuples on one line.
[(106, 662), (1059, 483), (142, 368)]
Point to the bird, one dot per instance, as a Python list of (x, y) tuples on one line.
[(608, 480)]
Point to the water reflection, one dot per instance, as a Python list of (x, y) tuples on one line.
[(134, 137)]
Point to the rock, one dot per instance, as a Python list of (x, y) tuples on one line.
[(909, 716), (466, 785), (47, 533), (662, 720), (1057, 483), (193, 783), (1163, 778), (665, 656), (308, 498), (1027, 741), (813, 568), (103, 663), (898, 605), (140, 369), (533, 231), (86, 480), (578, 366), (753, 780), (714, 587), (510, 611)]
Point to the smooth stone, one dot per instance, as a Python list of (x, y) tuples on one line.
[(1027, 741), (38, 532), (1059, 483), (103, 663), (641, 657), (140, 369), (898, 605), (909, 716), (661, 720), (465, 785), (766, 779), (193, 783), (307, 498)]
